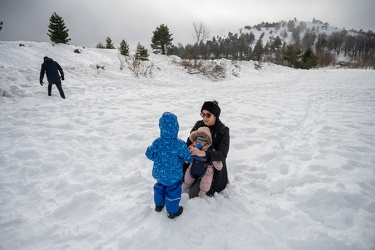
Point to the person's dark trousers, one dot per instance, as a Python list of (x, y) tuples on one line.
[(58, 85)]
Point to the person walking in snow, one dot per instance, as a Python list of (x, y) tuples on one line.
[(51, 68), (201, 168), (168, 153), (210, 113)]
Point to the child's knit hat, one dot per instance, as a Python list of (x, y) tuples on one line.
[(201, 139)]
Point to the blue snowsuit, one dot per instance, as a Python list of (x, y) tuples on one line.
[(168, 153)]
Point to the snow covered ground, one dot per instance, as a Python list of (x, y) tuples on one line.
[(73, 174)]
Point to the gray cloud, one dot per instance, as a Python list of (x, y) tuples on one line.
[(91, 21)]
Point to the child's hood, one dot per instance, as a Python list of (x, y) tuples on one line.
[(202, 131), (168, 125)]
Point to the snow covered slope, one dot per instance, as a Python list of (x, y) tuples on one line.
[(73, 174)]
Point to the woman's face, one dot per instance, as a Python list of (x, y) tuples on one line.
[(208, 118)]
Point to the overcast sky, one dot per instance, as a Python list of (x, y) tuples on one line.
[(91, 21)]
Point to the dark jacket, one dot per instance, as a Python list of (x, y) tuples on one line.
[(220, 142), (168, 152), (51, 68)]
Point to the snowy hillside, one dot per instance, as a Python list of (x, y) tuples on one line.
[(285, 34), (73, 174)]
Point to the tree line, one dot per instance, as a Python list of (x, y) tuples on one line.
[(308, 47)]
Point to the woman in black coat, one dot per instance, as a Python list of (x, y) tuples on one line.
[(210, 112)]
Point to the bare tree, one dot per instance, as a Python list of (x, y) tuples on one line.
[(201, 31)]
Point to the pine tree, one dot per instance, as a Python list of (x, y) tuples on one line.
[(141, 53), (124, 48), (57, 31), (109, 44), (292, 55), (309, 60), (276, 44), (258, 48), (161, 40)]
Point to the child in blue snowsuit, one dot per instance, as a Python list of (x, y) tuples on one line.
[(168, 153)]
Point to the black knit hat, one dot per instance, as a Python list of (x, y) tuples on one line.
[(212, 107)]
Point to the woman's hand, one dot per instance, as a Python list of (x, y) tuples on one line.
[(195, 151)]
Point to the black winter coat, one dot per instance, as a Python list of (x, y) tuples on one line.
[(220, 142), (51, 68)]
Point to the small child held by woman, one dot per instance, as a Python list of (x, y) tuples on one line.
[(201, 168)]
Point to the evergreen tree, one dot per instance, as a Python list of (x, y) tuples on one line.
[(321, 43), (308, 39), (276, 44), (296, 38), (309, 60), (57, 31), (292, 54), (1, 25), (124, 48), (141, 53), (109, 44), (258, 48), (291, 25), (161, 40)]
